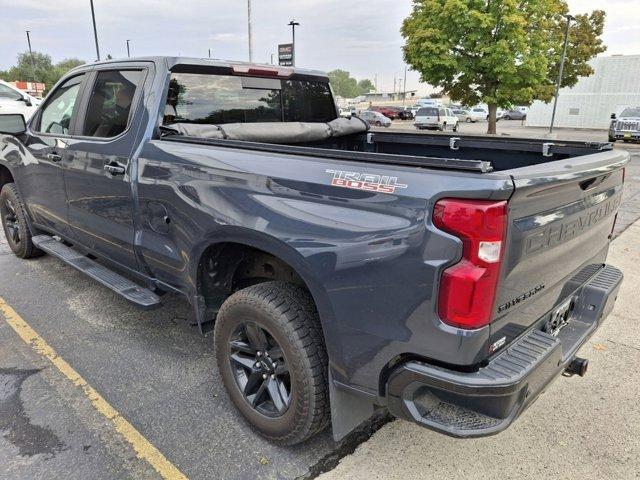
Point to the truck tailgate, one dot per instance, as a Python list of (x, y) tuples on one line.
[(561, 216)]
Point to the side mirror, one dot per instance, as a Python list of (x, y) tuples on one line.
[(613, 116), (27, 101), (12, 124)]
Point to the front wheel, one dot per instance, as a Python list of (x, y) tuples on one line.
[(469, 120), (272, 360), (443, 127), (378, 124), (455, 127), (14, 223)]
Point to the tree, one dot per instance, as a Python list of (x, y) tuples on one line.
[(346, 86), (45, 71), (343, 83), (498, 52), (365, 86)]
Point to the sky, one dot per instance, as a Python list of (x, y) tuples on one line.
[(360, 36)]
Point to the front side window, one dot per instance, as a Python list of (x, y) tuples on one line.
[(111, 103), (58, 112), (7, 93), (220, 99)]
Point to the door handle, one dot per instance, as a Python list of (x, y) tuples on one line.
[(54, 157), (114, 168)]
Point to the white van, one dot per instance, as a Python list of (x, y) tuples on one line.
[(14, 100)]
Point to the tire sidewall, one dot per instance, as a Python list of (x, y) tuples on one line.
[(229, 318), (9, 192)]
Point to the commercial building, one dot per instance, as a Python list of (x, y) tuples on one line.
[(614, 85)]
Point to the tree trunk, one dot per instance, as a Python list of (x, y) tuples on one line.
[(493, 110)]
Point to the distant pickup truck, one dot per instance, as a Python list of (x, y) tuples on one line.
[(626, 126), (448, 279)]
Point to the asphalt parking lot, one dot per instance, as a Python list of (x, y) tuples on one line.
[(159, 376)]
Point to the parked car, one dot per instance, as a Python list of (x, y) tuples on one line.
[(405, 113), (390, 112), (626, 126), (376, 119), (448, 280), (479, 114), (514, 115), (464, 115), (436, 118), (14, 100)]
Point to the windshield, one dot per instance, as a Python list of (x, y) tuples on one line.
[(630, 112), (219, 99)]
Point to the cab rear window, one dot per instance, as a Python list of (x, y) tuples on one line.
[(219, 99)]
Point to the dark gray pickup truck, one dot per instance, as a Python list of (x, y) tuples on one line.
[(448, 279)]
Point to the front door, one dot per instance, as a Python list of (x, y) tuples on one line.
[(98, 173), (41, 184)]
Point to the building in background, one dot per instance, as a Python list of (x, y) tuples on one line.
[(32, 88), (614, 85)]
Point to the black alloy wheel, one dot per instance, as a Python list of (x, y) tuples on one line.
[(260, 370), (10, 221)]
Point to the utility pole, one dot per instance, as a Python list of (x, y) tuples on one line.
[(293, 24), (33, 62), (95, 31), (272, 59), (564, 53), (249, 28), (209, 53), (404, 87), (128, 50), (394, 88)]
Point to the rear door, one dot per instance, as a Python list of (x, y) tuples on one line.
[(560, 220), (98, 173)]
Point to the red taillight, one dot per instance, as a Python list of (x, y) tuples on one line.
[(468, 288)]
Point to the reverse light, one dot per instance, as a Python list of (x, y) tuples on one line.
[(468, 288)]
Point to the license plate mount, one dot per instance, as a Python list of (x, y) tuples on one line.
[(558, 318)]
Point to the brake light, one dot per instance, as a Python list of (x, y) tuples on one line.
[(262, 71), (468, 288)]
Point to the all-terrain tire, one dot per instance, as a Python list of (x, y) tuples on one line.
[(288, 314), (14, 223)]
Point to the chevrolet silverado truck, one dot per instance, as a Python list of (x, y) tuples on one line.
[(448, 279), (626, 126)]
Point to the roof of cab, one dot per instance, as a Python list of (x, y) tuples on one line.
[(171, 62)]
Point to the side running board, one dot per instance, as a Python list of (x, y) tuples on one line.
[(142, 297)]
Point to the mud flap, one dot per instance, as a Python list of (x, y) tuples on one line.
[(348, 410)]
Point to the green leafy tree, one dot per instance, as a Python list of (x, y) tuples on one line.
[(39, 68), (498, 52), (343, 83), (365, 86)]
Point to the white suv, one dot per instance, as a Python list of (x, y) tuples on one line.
[(14, 100), (436, 118)]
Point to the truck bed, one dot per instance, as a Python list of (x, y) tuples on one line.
[(480, 154)]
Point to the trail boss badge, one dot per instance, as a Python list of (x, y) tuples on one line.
[(368, 182)]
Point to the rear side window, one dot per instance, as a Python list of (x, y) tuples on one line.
[(111, 102), (220, 99), (428, 112), (57, 114)]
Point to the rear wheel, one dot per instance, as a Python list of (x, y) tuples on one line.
[(468, 120), (14, 223), (378, 123), (455, 127), (507, 117), (443, 127), (272, 360)]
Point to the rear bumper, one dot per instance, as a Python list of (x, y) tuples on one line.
[(622, 135), (487, 401)]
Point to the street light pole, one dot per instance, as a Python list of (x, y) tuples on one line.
[(293, 24), (249, 28), (33, 62), (128, 50), (564, 53), (95, 31)]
